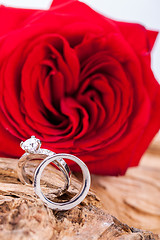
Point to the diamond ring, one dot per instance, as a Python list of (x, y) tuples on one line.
[(33, 150)]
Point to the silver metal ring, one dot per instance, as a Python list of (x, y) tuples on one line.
[(33, 151), (77, 198)]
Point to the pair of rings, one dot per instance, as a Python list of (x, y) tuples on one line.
[(33, 151)]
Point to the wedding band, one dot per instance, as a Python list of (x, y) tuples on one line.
[(62, 206), (33, 151)]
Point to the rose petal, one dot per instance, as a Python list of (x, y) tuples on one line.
[(146, 38), (56, 3), (15, 18)]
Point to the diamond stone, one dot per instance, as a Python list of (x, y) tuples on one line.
[(31, 145)]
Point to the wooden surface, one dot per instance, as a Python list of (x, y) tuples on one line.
[(134, 199)]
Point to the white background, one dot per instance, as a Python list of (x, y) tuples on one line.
[(146, 12)]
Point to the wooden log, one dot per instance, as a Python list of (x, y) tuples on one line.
[(24, 217)]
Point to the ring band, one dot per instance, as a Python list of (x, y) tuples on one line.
[(35, 152), (62, 206)]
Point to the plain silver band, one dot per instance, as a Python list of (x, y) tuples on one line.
[(42, 154), (77, 198)]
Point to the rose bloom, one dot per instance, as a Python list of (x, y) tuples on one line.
[(78, 81)]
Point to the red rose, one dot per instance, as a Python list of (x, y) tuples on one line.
[(80, 82)]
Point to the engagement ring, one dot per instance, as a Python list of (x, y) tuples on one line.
[(33, 151)]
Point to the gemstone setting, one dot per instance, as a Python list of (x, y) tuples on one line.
[(31, 145)]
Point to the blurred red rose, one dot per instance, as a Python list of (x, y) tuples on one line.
[(80, 82)]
